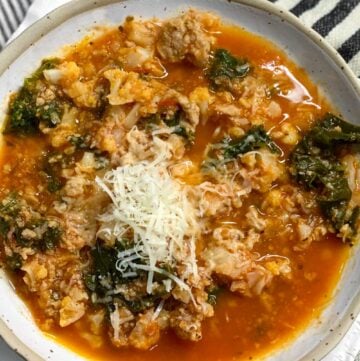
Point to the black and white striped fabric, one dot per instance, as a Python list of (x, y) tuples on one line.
[(12, 13), (336, 20)]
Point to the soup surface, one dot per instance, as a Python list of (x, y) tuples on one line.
[(175, 189)]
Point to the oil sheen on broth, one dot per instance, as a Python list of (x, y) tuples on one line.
[(296, 256)]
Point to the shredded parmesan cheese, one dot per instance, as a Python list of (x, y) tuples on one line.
[(116, 321), (154, 208), (158, 310)]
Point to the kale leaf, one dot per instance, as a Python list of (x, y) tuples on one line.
[(181, 128), (51, 172), (229, 148), (47, 241), (224, 68), (314, 163), (22, 114), (25, 114), (46, 64), (54, 183), (81, 142), (104, 277), (143, 303), (4, 227), (213, 294), (353, 218), (254, 139), (10, 206), (331, 131), (14, 262), (46, 236), (50, 113), (50, 239), (173, 118)]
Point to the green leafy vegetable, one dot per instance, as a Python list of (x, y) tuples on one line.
[(230, 148), (333, 131), (102, 89), (80, 141), (50, 113), (54, 184), (45, 240), (19, 238), (353, 219), (254, 139), (14, 262), (4, 227), (22, 115), (213, 294), (315, 165), (104, 275), (51, 171), (225, 68), (104, 278), (46, 64), (10, 206), (143, 303), (83, 143), (50, 239), (101, 160), (173, 118), (150, 123), (25, 114), (37, 232)]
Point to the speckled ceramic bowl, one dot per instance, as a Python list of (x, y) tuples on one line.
[(71, 22)]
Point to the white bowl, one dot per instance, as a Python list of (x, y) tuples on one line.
[(71, 22)]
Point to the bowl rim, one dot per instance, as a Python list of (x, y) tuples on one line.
[(75, 7)]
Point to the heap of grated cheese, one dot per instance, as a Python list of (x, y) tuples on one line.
[(150, 204)]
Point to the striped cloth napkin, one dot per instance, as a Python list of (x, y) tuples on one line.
[(336, 20)]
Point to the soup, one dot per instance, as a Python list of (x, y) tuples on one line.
[(175, 189)]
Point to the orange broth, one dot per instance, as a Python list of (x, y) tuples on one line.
[(242, 328)]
